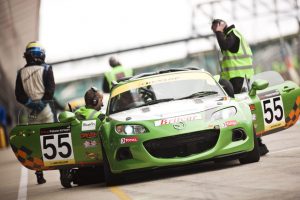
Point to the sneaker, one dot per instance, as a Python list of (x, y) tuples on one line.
[(41, 180), (40, 177)]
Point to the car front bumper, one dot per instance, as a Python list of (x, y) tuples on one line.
[(180, 149)]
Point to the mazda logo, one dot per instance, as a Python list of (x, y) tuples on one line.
[(179, 125)]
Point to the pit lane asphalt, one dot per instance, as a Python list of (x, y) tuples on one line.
[(276, 176)]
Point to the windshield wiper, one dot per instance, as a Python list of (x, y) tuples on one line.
[(155, 102), (199, 94)]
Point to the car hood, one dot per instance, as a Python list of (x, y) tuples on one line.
[(170, 109)]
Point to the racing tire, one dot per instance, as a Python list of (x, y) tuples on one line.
[(110, 178), (89, 175), (66, 178), (252, 156)]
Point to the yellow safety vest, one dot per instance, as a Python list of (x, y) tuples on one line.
[(237, 64), (84, 113), (117, 73)]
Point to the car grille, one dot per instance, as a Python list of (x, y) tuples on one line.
[(182, 145)]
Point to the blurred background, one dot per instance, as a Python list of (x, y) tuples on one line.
[(79, 36)]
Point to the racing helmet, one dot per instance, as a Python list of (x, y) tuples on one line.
[(34, 53)]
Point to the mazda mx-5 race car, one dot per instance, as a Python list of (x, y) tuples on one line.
[(168, 118)]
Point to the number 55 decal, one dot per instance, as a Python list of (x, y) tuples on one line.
[(273, 112), (57, 148)]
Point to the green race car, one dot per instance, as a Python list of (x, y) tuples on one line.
[(168, 118)]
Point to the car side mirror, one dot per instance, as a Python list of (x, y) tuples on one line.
[(258, 85)]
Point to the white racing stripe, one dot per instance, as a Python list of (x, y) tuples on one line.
[(22, 193), (284, 150)]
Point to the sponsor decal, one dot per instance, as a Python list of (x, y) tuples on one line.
[(174, 120), (179, 126), (129, 140), (60, 162), (55, 130), (88, 135), (272, 109), (90, 144), (253, 117), (88, 125), (230, 123), (252, 107), (91, 155), (162, 79), (267, 95), (56, 146)]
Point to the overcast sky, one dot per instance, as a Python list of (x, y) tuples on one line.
[(83, 27), (76, 28)]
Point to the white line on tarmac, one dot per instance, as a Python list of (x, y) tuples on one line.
[(22, 193), (284, 150)]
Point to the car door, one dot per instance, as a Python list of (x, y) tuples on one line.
[(276, 107), (57, 145)]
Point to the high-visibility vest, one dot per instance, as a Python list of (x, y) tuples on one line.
[(84, 113), (117, 73), (237, 64)]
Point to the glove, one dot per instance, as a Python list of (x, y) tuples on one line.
[(36, 106)]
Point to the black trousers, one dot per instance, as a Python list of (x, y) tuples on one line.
[(237, 84)]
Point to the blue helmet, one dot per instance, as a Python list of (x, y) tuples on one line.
[(34, 53)]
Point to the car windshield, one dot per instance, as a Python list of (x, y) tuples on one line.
[(163, 88)]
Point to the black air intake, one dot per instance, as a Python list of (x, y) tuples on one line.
[(123, 153), (182, 145), (238, 134)]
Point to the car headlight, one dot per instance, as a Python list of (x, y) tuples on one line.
[(130, 129), (223, 114)]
